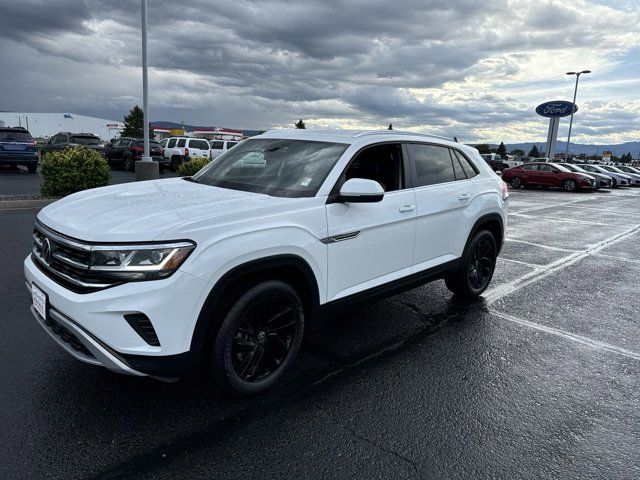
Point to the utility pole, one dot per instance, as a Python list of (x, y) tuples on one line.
[(575, 92)]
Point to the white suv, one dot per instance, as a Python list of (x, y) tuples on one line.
[(183, 149), (218, 147), (225, 268)]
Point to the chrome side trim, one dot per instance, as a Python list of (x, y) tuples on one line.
[(341, 237), (60, 238)]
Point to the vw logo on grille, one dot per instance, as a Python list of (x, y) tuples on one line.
[(46, 250)]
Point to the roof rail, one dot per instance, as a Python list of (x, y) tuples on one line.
[(399, 132)]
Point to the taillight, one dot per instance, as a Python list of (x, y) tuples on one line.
[(32, 143), (505, 191), (186, 151), (137, 149)]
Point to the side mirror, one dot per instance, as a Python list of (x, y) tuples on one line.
[(361, 190)]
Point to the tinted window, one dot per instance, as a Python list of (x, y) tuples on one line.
[(61, 139), (172, 143), (467, 167), (14, 136), (217, 145), (457, 168), (382, 163), (201, 144), (433, 164), (85, 140), (231, 144), (545, 168), (140, 143), (280, 167), (181, 142), (530, 167)]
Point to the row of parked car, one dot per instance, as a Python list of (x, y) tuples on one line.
[(169, 153), (571, 177)]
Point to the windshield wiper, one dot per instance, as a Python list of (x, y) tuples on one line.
[(190, 179)]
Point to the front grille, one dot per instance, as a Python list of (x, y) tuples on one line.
[(67, 337), (66, 261)]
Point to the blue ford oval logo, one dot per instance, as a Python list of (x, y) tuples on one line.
[(557, 108)]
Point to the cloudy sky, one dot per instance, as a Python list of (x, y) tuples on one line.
[(471, 68)]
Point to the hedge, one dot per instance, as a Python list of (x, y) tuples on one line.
[(187, 169), (72, 170)]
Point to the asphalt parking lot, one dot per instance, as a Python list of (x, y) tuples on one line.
[(17, 182), (539, 379)]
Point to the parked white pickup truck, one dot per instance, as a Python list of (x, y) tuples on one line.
[(496, 162)]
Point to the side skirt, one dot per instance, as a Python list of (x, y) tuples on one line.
[(389, 289)]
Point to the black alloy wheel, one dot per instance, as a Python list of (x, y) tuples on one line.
[(259, 338), (128, 164), (477, 264), (480, 268), (516, 182)]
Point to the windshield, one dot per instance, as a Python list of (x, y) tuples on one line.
[(85, 140), (614, 169), (279, 167), (576, 168)]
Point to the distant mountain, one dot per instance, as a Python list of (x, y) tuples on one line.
[(578, 148)]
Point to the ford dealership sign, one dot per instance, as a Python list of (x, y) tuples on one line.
[(558, 108)]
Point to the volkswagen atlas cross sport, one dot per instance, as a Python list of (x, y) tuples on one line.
[(225, 268)]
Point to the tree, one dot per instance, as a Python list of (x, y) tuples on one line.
[(483, 148), (502, 150), (133, 123), (300, 124), (534, 152), (390, 127), (517, 152)]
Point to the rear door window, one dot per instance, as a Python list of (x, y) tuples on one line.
[(432, 164), (200, 144), (468, 169), (217, 145), (181, 142), (171, 143)]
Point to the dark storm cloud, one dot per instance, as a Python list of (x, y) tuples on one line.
[(257, 64)]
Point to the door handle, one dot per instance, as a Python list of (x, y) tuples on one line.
[(464, 196), (407, 208)]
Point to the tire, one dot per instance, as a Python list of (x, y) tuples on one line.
[(175, 162), (128, 164), (32, 168), (477, 265), (516, 182), (569, 185), (258, 338)]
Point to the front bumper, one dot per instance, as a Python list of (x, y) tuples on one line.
[(92, 327)]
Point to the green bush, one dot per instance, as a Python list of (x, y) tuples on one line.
[(192, 167), (72, 170)]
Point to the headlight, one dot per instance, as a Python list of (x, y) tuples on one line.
[(137, 262)]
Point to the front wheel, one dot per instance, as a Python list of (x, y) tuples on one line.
[(128, 164), (477, 265), (258, 339), (569, 185)]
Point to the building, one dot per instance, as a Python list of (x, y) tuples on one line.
[(45, 125)]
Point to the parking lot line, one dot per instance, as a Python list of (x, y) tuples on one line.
[(622, 259), (541, 246), (500, 291), (532, 265), (596, 344), (567, 220)]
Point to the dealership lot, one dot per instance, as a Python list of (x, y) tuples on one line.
[(540, 379)]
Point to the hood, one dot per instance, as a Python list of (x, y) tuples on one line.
[(142, 211), (588, 176)]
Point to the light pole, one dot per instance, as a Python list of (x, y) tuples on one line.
[(146, 169), (575, 92)]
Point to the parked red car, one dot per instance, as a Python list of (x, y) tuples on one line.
[(547, 175)]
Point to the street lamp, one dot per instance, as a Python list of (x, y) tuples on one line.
[(573, 108)]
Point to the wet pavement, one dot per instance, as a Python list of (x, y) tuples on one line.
[(539, 379), (18, 182)]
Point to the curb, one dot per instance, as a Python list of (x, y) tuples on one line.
[(25, 204)]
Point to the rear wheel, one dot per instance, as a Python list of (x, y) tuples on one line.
[(32, 168), (175, 162), (258, 339), (516, 182), (477, 265), (128, 164), (569, 185)]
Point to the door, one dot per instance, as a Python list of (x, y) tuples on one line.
[(548, 176), (61, 141), (444, 189), (370, 244)]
